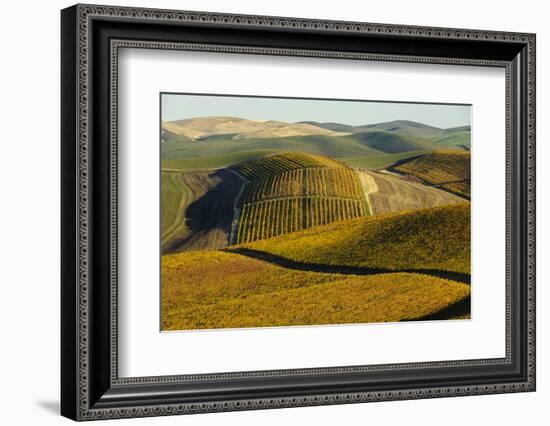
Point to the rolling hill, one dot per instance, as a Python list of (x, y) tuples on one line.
[(267, 223), (458, 137), (185, 154), (280, 194), (337, 127), (447, 170), (175, 163), (293, 191), (240, 128), (257, 293), (392, 143), (213, 142), (401, 127), (368, 269), (381, 161), (429, 239)]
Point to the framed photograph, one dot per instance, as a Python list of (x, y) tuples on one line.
[(263, 212)]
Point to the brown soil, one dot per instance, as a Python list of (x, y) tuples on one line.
[(208, 218), (394, 193)]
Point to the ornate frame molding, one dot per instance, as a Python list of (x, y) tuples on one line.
[(81, 18)]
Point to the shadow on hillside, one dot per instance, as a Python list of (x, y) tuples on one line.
[(209, 217), (340, 269), (457, 309), (214, 209)]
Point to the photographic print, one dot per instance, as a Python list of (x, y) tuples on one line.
[(301, 212)]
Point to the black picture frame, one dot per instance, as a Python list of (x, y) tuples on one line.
[(90, 38)]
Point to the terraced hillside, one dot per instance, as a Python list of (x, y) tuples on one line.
[(448, 170), (294, 191)]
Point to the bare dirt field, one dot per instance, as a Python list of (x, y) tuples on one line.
[(391, 193)]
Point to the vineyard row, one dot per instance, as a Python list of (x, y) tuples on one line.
[(337, 182), (270, 218), (281, 163), (446, 171)]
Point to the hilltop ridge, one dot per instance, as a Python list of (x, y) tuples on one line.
[(241, 128)]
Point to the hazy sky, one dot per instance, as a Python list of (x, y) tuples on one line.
[(179, 106)]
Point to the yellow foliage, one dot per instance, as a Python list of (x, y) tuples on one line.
[(435, 238), (445, 169), (217, 289)]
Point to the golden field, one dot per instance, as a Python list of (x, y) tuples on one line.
[(295, 239), (257, 294)]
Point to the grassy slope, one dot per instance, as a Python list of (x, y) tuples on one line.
[(436, 238), (199, 128), (330, 146), (392, 143), (453, 139), (337, 127), (442, 137), (212, 162), (254, 293), (168, 136), (377, 162), (402, 127), (175, 197), (360, 148), (369, 149)]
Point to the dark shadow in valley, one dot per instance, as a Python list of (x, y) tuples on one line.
[(214, 209), (403, 161), (209, 217), (454, 310), (342, 269)]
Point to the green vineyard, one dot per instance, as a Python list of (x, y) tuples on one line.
[(290, 192), (280, 163), (448, 170)]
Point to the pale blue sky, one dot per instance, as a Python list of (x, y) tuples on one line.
[(180, 106)]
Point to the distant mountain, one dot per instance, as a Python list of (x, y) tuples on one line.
[(337, 127), (169, 136), (403, 127), (410, 132), (201, 128), (324, 138), (459, 129), (458, 138), (392, 143)]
